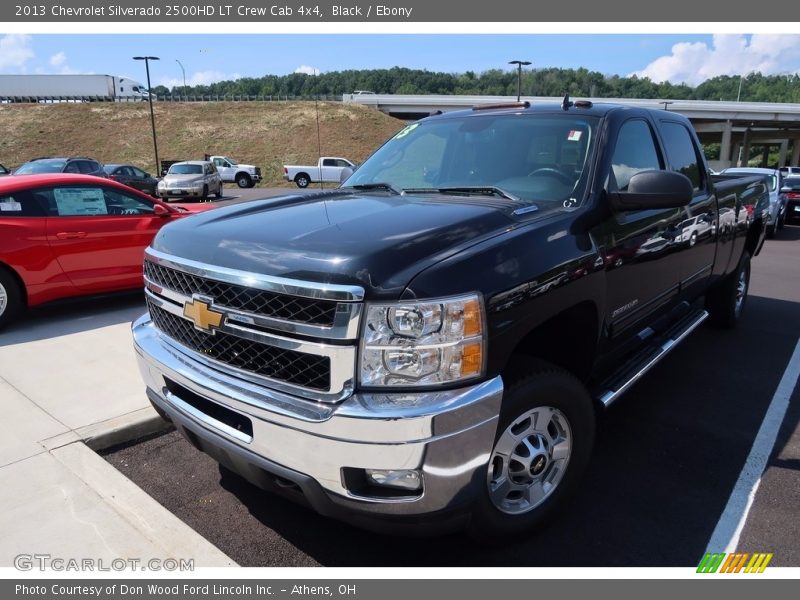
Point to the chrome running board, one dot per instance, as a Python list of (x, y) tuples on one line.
[(620, 382)]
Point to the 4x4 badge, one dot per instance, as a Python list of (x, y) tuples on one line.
[(202, 315)]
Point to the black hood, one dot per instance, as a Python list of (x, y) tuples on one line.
[(378, 241)]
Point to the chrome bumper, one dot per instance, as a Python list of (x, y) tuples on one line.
[(446, 435)]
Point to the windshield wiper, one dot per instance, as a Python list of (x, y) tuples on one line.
[(481, 190), (380, 185)]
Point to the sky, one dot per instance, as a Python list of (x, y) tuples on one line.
[(682, 58)]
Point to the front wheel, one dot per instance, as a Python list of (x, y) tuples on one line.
[(243, 180), (725, 304), (543, 444)]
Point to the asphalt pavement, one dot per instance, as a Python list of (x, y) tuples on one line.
[(667, 458)]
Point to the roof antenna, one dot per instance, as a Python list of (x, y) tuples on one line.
[(566, 102)]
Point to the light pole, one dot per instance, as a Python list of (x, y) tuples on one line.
[(184, 75), (519, 64), (147, 60)]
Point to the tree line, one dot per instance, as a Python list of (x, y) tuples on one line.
[(754, 87)]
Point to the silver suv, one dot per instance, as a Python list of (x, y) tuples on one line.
[(191, 179)]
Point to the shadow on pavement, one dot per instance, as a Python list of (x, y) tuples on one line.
[(74, 316)]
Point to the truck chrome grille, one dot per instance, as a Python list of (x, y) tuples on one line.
[(289, 366), (260, 302)]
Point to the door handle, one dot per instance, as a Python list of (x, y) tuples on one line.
[(70, 235)]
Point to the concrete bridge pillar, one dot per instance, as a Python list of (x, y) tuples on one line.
[(795, 152), (783, 152), (725, 146)]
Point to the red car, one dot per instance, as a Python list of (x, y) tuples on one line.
[(64, 235)]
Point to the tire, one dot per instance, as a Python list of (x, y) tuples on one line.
[(302, 180), (243, 180), (782, 220), (693, 239), (545, 414), (204, 197), (11, 298), (219, 193), (772, 230), (725, 304)]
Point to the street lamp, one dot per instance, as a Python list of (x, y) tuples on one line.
[(147, 60), (184, 75), (519, 64)]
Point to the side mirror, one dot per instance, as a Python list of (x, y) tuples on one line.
[(147, 175), (160, 210), (654, 189), (345, 174)]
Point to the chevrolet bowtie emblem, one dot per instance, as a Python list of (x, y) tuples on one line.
[(200, 312)]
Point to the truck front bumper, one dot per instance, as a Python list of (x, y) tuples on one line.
[(317, 453)]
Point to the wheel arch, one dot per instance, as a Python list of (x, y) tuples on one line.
[(567, 340), (6, 268)]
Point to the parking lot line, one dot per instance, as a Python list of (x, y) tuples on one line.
[(725, 537)]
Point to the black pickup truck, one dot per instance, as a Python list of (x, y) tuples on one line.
[(427, 347)]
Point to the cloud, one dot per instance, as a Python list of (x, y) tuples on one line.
[(307, 70), (58, 60), (15, 51), (694, 62), (199, 78)]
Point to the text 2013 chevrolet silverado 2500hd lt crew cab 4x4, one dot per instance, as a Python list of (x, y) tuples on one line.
[(426, 347)]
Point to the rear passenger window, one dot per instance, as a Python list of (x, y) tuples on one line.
[(681, 152), (635, 152), (21, 204)]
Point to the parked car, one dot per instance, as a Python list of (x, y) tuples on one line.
[(4, 171), (791, 191), (245, 176), (693, 229), (70, 164), (788, 171), (426, 348), (777, 203), (132, 176), (67, 235), (190, 179), (328, 169)]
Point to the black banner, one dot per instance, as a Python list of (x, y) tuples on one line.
[(729, 587), (391, 11)]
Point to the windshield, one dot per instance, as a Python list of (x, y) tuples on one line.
[(41, 166), (535, 157), (185, 170)]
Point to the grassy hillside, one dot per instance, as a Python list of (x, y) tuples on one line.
[(267, 134)]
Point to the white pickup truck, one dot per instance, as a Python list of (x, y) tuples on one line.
[(328, 169), (245, 176)]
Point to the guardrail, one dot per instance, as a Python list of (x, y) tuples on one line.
[(171, 98)]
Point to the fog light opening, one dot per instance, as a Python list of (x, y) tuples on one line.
[(401, 479)]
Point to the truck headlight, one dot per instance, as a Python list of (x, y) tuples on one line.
[(423, 343)]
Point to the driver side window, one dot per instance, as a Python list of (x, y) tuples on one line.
[(634, 152)]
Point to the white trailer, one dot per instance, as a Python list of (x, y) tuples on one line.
[(32, 88)]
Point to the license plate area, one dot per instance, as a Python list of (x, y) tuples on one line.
[(216, 413)]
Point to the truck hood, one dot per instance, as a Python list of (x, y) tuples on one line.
[(378, 241)]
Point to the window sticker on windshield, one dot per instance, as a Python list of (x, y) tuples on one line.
[(73, 202), (406, 130), (574, 136), (10, 205)]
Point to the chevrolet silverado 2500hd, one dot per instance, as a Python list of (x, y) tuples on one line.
[(426, 347)]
